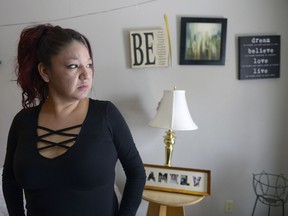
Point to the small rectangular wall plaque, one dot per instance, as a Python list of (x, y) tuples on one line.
[(259, 57), (149, 48)]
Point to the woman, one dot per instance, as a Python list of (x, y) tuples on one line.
[(62, 152)]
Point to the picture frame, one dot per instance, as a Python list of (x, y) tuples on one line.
[(203, 41), (259, 56), (178, 179), (149, 48)]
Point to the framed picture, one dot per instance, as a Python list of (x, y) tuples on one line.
[(203, 41), (149, 48), (259, 57), (178, 180)]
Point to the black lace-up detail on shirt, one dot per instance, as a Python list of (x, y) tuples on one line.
[(71, 137)]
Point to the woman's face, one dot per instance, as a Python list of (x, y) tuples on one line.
[(71, 73)]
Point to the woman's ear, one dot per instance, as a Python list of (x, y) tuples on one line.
[(43, 72)]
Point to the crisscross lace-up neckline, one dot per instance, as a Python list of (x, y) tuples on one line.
[(57, 142)]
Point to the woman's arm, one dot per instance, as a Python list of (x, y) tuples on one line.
[(130, 160), (13, 193)]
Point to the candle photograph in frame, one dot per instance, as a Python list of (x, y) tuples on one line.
[(203, 41), (178, 179)]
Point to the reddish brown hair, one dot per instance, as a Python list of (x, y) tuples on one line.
[(38, 44)]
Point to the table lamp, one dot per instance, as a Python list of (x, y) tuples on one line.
[(172, 115)]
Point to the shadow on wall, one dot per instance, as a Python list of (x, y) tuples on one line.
[(132, 111)]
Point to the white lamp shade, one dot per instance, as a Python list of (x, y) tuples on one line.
[(173, 112)]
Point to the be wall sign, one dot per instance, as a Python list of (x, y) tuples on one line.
[(149, 48), (259, 57)]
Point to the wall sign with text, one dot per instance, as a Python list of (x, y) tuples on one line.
[(259, 57), (149, 48)]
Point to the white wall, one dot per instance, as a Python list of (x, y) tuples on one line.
[(242, 124)]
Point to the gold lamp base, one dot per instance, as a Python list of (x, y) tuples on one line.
[(169, 141)]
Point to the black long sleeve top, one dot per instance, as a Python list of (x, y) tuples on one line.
[(79, 182)]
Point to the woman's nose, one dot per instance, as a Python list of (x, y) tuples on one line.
[(85, 72)]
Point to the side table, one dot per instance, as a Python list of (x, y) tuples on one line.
[(168, 204)]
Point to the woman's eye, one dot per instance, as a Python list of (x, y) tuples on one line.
[(72, 66), (89, 65)]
